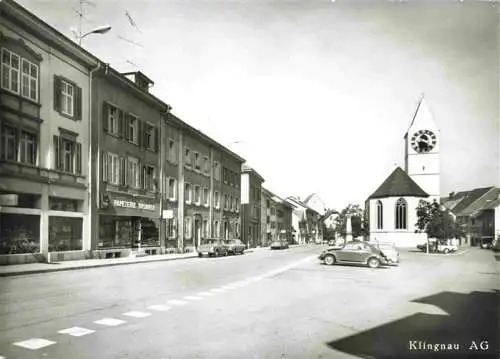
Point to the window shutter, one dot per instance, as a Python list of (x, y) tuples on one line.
[(105, 115), (123, 170), (156, 134), (104, 173), (78, 159), (127, 122), (57, 153), (57, 93), (78, 103), (120, 123), (139, 133)]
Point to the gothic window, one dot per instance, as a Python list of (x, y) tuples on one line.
[(380, 215), (401, 214)]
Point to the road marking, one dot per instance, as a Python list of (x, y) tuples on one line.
[(35, 343), (176, 302), (217, 290), (76, 331), (110, 322), (229, 287), (159, 307), (137, 314), (205, 294), (193, 297)]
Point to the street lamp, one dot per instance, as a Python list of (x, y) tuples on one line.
[(98, 30)]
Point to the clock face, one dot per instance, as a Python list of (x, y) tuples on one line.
[(423, 141)]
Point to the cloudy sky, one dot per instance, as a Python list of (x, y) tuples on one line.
[(315, 95)]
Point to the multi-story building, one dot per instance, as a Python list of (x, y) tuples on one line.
[(306, 222), (276, 218), (202, 187), (251, 190), (44, 138), (126, 127)]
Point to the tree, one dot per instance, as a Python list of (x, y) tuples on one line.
[(359, 224), (437, 222)]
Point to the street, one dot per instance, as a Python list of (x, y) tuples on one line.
[(263, 304)]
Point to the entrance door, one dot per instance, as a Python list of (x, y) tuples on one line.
[(197, 232)]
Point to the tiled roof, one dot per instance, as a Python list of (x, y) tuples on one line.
[(398, 184), (468, 197)]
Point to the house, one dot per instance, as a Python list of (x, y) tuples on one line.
[(276, 218), (44, 135), (251, 206), (305, 222)]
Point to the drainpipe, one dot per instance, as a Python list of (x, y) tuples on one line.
[(93, 179), (163, 123)]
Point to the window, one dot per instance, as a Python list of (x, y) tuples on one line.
[(150, 136), (187, 157), (197, 194), (28, 147), (149, 180), (9, 143), (401, 214), (30, 80), (225, 201), (187, 192), (67, 94), (171, 186), (237, 205), (225, 174), (216, 200), (134, 173), (67, 154), (171, 228), (188, 227), (197, 161), (112, 119), (217, 171), (131, 130), (10, 70), (206, 165), (112, 169), (171, 150), (231, 203), (205, 196), (380, 215)]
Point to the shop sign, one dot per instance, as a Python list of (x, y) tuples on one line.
[(133, 205), (168, 214)]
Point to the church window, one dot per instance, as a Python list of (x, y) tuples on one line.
[(380, 215), (401, 214)]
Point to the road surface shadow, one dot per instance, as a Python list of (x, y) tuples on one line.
[(470, 330)]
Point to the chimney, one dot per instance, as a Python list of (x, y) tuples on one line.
[(140, 80)]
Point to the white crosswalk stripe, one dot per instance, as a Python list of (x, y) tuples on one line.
[(193, 297), (110, 322), (176, 302), (218, 290), (205, 294), (76, 331), (137, 314), (159, 307), (34, 343)]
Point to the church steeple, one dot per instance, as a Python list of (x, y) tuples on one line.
[(422, 145)]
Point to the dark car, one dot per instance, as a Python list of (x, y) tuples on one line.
[(213, 247), (280, 244), (495, 245), (486, 242), (235, 246), (356, 252)]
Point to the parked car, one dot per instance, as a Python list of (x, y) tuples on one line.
[(486, 242), (440, 247), (495, 245), (235, 246), (213, 247), (280, 244), (390, 251), (356, 252)]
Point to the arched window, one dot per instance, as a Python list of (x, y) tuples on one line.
[(401, 214), (380, 215)]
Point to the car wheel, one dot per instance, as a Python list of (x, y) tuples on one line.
[(200, 255), (373, 263), (446, 251), (330, 260)]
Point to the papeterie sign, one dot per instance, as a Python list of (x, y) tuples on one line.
[(133, 204)]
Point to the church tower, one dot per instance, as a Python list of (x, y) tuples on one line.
[(422, 143)]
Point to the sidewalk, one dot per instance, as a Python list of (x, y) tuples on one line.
[(32, 268)]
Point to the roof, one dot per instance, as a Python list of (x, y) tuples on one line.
[(468, 197), (398, 184), (247, 169)]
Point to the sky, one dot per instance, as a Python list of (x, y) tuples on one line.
[(315, 95)]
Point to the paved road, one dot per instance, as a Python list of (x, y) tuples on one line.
[(265, 304)]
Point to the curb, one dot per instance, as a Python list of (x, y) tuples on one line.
[(50, 270)]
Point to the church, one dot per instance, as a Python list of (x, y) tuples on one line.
[(392, 207)]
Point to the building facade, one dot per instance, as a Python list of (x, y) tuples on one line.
[(276, 219), (44, 138), (251, 206)]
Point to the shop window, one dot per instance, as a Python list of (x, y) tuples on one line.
[(63, 204), (171, 228), (150, 236), (65, 234), (19, 233)]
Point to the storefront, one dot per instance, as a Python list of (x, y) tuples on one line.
[(128, 224)]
